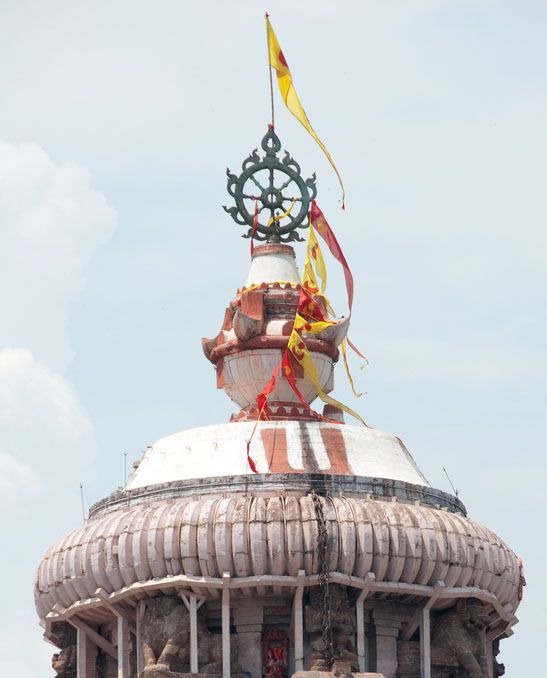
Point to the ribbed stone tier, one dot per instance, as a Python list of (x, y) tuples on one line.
[(250, 536)]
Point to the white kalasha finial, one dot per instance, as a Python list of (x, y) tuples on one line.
[(272, 264), (255, 332)]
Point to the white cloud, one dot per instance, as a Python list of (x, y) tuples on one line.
[(42, 425), (51, 222), (15, 476)]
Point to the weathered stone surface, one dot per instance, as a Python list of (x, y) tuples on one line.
[(166, 632), (342, 620), (166, 641), (443, 661), (64, 663), (397, 542), (460, 629), (457, 647)]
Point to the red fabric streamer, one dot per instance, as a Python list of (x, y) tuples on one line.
[(288, 373), (262, 403), (250, 461), (262, 397), (318, 221), (354, 348), (309, 308)]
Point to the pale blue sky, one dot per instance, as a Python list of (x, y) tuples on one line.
[(435, 113)]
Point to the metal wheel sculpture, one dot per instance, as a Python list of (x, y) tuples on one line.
[(276, 188)]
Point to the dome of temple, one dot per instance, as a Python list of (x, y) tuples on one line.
[(280, 523), (276, 447)]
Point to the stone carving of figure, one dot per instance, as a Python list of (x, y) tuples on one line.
[(461, 630), (166, 641), (342, 623), (166, 633), (64, 663), (499, 669), (210, 650)]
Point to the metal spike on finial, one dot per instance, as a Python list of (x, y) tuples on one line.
[(277, 187)]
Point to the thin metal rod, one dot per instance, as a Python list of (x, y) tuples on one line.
[(125, 469), (270, 73), (82, 500), (450, 481), (272, 96)]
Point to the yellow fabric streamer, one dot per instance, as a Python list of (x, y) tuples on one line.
[(301, 324), (343, 348), (278, 62), (278, 217), (301, 354), (314, 266)]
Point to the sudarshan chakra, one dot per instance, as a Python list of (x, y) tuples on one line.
[(275, 186)]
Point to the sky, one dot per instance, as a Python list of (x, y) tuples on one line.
[(117, 122)]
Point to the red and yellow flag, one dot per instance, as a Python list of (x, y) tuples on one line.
[(312, 317), (314, 266), (302, 355), (309, 308), (321, 225), (262, 397), (278, 62)]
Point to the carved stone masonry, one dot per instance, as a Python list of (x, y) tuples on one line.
[(342, 623), (166, 642), (457, 645), (64, 663), (461, 630)]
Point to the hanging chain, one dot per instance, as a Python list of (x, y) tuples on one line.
[(322, 546)]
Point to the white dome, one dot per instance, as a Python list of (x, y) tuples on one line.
[(279, 447)]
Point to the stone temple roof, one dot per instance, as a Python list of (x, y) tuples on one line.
[(194, 519)]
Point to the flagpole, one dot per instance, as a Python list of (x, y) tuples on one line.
[(270, 73)]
